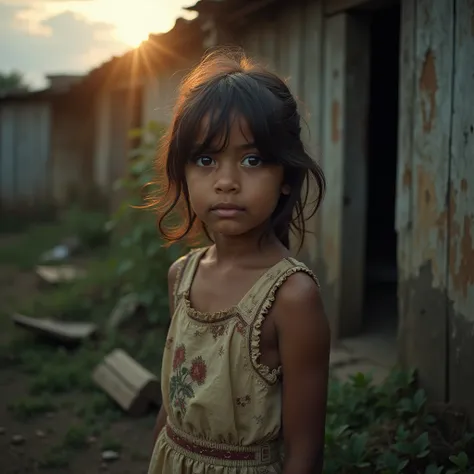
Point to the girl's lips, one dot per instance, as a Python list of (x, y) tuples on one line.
[(227, 212)]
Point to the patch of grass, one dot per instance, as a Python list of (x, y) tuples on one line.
[(25, 249), (111, 443), (76, 437), (98, 411), (29, 407), (57, 457)]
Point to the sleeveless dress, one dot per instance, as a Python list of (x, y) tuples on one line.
[(223, 405)]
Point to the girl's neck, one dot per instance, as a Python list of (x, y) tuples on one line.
[(246, 248)]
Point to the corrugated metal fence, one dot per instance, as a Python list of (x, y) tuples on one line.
[(24, 155)]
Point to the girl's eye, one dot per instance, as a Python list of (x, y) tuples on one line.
[(252, 161), (204, 161)]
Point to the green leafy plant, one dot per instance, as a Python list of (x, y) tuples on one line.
[(143, 261), (388, 429)]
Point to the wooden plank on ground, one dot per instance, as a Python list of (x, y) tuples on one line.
[(61, 331), (59, 274), (132, 386)]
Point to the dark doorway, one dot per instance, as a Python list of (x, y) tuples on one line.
[(381, 258)]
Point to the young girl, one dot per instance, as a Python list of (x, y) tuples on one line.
[(245, 367)]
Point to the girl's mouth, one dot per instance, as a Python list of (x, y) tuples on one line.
[(227, 210)]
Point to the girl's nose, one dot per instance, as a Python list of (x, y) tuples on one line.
[(226, 181)]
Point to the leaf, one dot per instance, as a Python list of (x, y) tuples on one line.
[(125, 266), (461, 460), (434, 469), (187, 390), (173, 387)]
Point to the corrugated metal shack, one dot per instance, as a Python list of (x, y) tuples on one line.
[(45, 147), (387, 90)]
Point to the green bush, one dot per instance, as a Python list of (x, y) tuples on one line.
[(143, 261), (389, 429)]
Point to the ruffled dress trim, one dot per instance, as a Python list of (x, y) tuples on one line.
[(270, 376), (207, 317)]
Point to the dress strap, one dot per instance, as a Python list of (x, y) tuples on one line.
[(188, 270), (267, 285), (258, 303)]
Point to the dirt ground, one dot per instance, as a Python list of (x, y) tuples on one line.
[(133, 437)]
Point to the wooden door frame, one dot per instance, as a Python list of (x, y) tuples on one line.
[(333, 7), (346, 109)]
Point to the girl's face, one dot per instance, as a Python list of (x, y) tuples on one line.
[(234, 191)]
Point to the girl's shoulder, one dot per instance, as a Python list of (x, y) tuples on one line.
[(177, 268)]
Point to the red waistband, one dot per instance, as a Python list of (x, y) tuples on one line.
[(260, 453)]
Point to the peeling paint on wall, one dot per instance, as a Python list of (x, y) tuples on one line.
[(430, 229), (461, 251), (428, 87)]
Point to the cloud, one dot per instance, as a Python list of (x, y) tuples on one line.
[(61, 43)]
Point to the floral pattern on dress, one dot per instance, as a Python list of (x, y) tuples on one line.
[(183, 378), (218, 330), (243, 401), (241, 329)]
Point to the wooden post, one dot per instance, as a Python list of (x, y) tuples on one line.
[(346, 102)]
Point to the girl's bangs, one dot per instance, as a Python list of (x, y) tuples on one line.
[(207, 122)]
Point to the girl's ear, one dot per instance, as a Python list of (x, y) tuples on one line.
[(286, 189)]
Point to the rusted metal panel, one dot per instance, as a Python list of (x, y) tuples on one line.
[(427, 326), (461, 214), (25, 168), (283, 45), (404, 201), (333, 151), (7, 156), (311, 110), (295, 33), (269, 44)]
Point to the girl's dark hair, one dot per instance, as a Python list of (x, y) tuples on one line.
[(226, 85)]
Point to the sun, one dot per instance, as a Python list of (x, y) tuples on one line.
[(132, 35), (134, 20)]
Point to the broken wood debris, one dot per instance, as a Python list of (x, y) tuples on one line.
[(54, 275), (126, 307), (63, 331), (132, 386)]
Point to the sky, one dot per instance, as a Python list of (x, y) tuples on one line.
[(39, 37)]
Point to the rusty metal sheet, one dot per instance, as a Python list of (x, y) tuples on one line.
[(425, 325), (404, 201), (25, 167), (461, 215)]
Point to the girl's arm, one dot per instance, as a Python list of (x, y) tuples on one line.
[(172, 275), (304, 345)]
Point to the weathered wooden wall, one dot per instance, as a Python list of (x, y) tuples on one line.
[(461, 214), (326, 63), (435, 201), (72, 130), (288, 40)]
